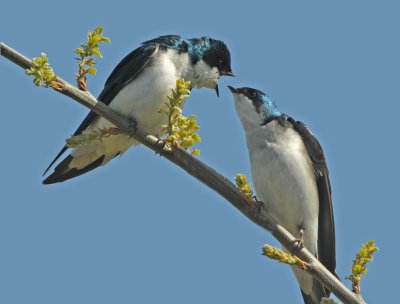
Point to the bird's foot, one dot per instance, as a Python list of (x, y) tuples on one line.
[(257, 204), (132, 125), (160, 142), (299, 243)]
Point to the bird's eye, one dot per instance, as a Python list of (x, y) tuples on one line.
[(253, 94), (221, 63)]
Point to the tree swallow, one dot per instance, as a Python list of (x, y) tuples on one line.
[(137, 88), (290, 176)]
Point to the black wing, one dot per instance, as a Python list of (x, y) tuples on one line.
[(125, 72), (326, 225)]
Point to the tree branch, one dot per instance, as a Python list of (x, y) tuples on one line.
[(203, 173)]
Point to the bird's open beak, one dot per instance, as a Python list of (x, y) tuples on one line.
[(225, 73), (217, 89), (233, 90)]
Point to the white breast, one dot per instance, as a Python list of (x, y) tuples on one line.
[(141, 99), (284, 179), (147, 94)]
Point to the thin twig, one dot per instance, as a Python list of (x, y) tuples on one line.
[(203, 173)]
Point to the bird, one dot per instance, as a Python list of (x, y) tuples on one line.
[(291, 179), (137, 88)]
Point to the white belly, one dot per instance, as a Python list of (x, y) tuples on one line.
[(142, 99), (145, 96), (284, 180), (288, 189)]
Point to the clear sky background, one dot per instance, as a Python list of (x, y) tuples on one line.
[(140, 230)]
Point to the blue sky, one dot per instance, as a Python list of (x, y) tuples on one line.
[(140, 230)]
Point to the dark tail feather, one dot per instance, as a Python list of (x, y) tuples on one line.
[(318, 292), (65, 148), (63, 172)]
